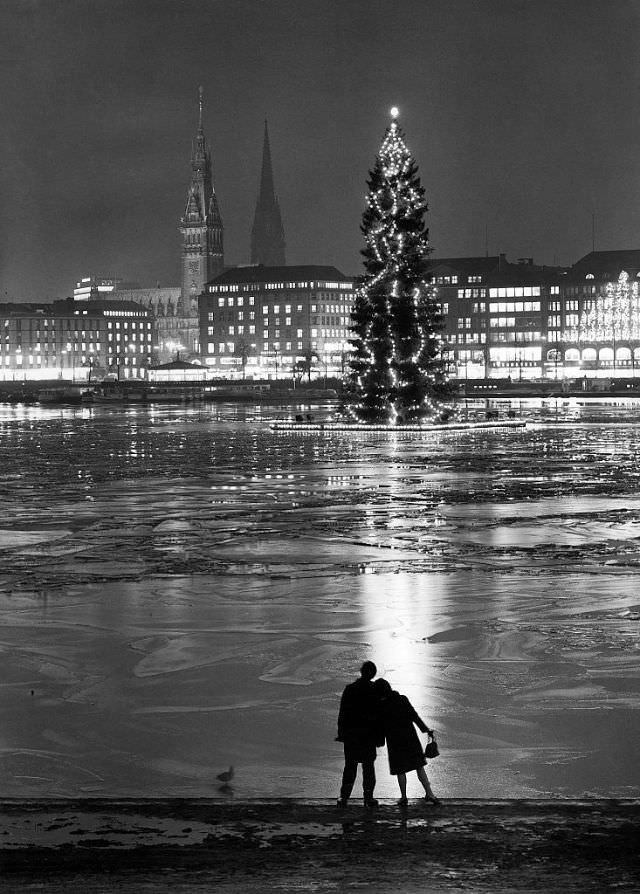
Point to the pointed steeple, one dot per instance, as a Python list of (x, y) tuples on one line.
[(201, 226), (267, 234)]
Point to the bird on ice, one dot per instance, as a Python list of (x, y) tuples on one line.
[(227, 776)]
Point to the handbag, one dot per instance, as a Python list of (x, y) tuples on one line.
[(431, 749)]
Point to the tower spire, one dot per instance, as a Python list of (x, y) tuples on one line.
[(267, 234), (201, 225)]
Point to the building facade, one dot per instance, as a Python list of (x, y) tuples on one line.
[(75, 340), (276, 322), (596, 323), (522, 321), (267, 234), (496, 315)]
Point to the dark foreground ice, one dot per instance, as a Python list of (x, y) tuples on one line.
[(182, 590)]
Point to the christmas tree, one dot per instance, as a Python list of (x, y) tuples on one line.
[(397, 370)]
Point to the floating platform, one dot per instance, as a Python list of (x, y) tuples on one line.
[(396, 429)]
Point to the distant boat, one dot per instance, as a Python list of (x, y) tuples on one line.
[(70, 394), (173, 393), (110, 394)]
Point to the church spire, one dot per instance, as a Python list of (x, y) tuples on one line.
[(201, 226), (267, 234)]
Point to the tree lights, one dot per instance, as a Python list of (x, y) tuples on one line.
[(611, 317), (397, 370)]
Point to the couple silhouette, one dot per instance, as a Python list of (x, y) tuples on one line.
[(372, 713)]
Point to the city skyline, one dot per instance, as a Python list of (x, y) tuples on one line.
[(516, 112)]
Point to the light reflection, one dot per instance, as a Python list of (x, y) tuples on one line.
[(400, 612)]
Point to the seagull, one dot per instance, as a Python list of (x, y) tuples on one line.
[(227, 776)]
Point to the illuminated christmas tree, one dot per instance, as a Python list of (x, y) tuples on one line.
[(610, 317), (397, 368)]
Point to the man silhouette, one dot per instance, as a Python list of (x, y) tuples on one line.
[(358, 730)]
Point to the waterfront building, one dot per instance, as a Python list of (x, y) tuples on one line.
[(276, 322), (527, 322), (75, 340), (267, 234), (596, 323), (176, 330), (496, 315)]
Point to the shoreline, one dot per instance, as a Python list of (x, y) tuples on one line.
[(471, 844)]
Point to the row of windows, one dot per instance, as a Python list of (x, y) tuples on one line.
[(515, 292), (229, 347), (514, 307), (448, 280), (235, 302), (468, 338), (256, 287), (472, 293), (51, 347), (514, 336)]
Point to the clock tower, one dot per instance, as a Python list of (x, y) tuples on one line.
[(201, 226)]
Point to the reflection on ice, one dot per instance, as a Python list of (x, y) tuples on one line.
[(184, 589)]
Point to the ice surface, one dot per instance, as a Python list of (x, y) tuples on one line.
[(184, 589)]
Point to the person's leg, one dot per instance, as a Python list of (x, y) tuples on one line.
[(348, 778), (426, 785), (402, 782), (368, 779)]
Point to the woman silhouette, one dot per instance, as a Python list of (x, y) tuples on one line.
[(405, 753)]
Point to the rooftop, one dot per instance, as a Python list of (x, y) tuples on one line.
[(299, 273), (608, 262)]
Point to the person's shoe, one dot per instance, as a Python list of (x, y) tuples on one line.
[(403, 802), (431, 799), (342, 802), (370, 802)]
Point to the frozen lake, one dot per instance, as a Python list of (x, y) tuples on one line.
[(183, 589)]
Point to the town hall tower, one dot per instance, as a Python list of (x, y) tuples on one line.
[(201, 226)]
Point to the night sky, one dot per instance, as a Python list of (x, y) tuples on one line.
[(522, 115)]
